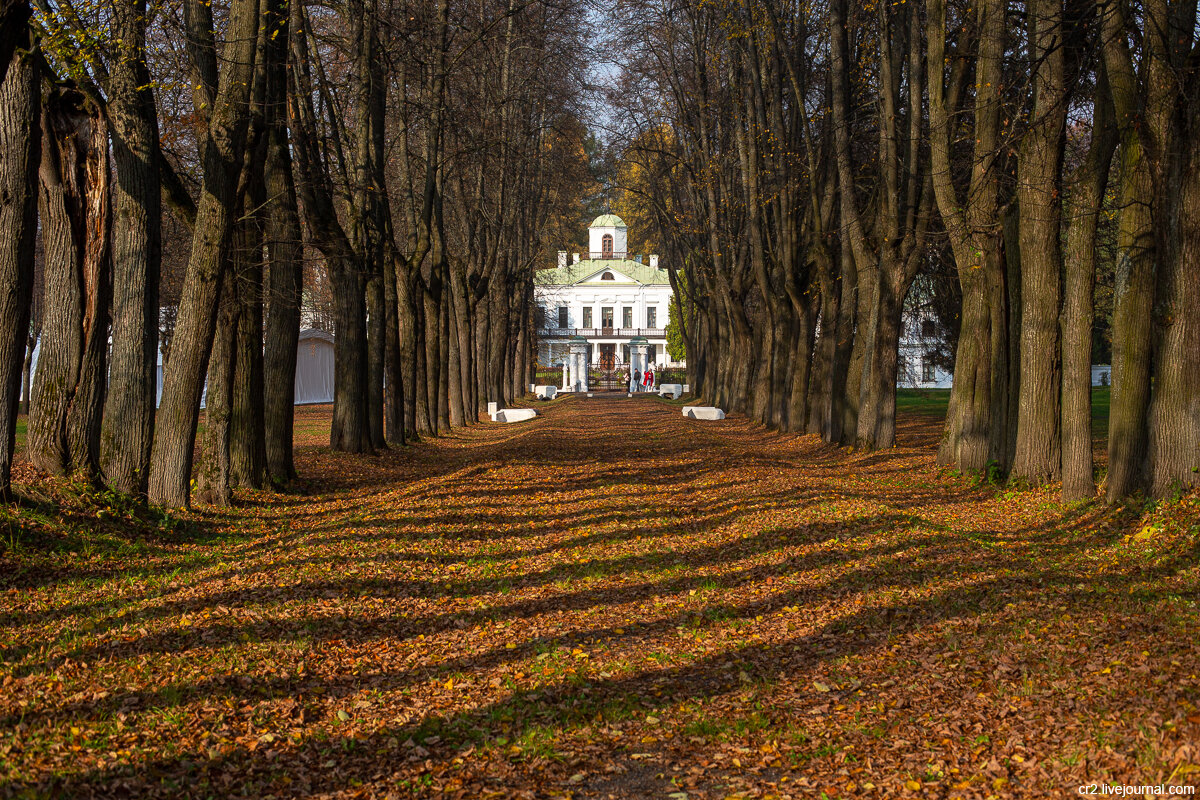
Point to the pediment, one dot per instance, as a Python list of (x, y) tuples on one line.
[(599, 277)]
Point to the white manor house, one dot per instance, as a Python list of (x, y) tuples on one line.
[(607, 298)]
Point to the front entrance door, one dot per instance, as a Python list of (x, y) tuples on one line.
[(608, 357)]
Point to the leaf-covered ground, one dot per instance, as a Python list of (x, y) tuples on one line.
[(609, 602)]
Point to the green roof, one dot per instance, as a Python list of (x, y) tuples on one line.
[(574, 273), (607, 221)]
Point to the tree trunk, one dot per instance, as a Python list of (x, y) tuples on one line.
[(214, 478), (285, 273), (1174, 445), (1133, 289), (1084, 201), (350, 433), (64, 207), (20, 142), (877, 408), (285, 284), (394, 368), (247, 444), (406, 323), (27, 370), (976, 434), (376, 351), (1037, 457), (128, 426), (222, 151)]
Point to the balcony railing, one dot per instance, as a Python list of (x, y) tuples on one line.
[(597, 333)]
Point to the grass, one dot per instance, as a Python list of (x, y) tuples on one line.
[(934, 403)]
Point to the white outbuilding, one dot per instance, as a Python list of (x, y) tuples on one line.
[(314, 367)]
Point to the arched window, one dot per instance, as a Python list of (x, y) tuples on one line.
[(608, 276), (606, 246)]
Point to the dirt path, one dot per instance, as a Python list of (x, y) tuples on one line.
[(613, 601)]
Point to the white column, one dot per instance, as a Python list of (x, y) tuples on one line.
[(564, 363), (579, 366), (638, 356)]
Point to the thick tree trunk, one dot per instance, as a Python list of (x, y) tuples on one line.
[(285, 272), (877, 407), (856, 368), (820, 407), (64, 221), (247, 444), (223, 151), (20, 143), (350, 433), (443, 363), (1084, 200), (1133, 289), (1037, 457), (394, 367), (406, 323), (376, 352), (976, 433), (128, 426), (214, 477), (455, 358), (843, 418), (285, 288), (1174, 445), (1133, 294)]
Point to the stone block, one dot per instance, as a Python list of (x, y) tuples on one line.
[(545, 392), (515, 415), (703, 412), (674, 390)]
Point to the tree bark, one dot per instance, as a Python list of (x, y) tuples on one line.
[(1084, 201), (68, 395), (214, 479), (1037, 458), (976, 433), (285, 272), (1174, 421), (128, 425), (393, 354), (1133, 290), (247, 443), (20, 142), (222, 151)]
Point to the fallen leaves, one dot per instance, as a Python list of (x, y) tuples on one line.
[(730, 613)]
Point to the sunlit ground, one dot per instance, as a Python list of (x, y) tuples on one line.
[(610, 601)]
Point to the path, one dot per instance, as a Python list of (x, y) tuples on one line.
[(613, 601)]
